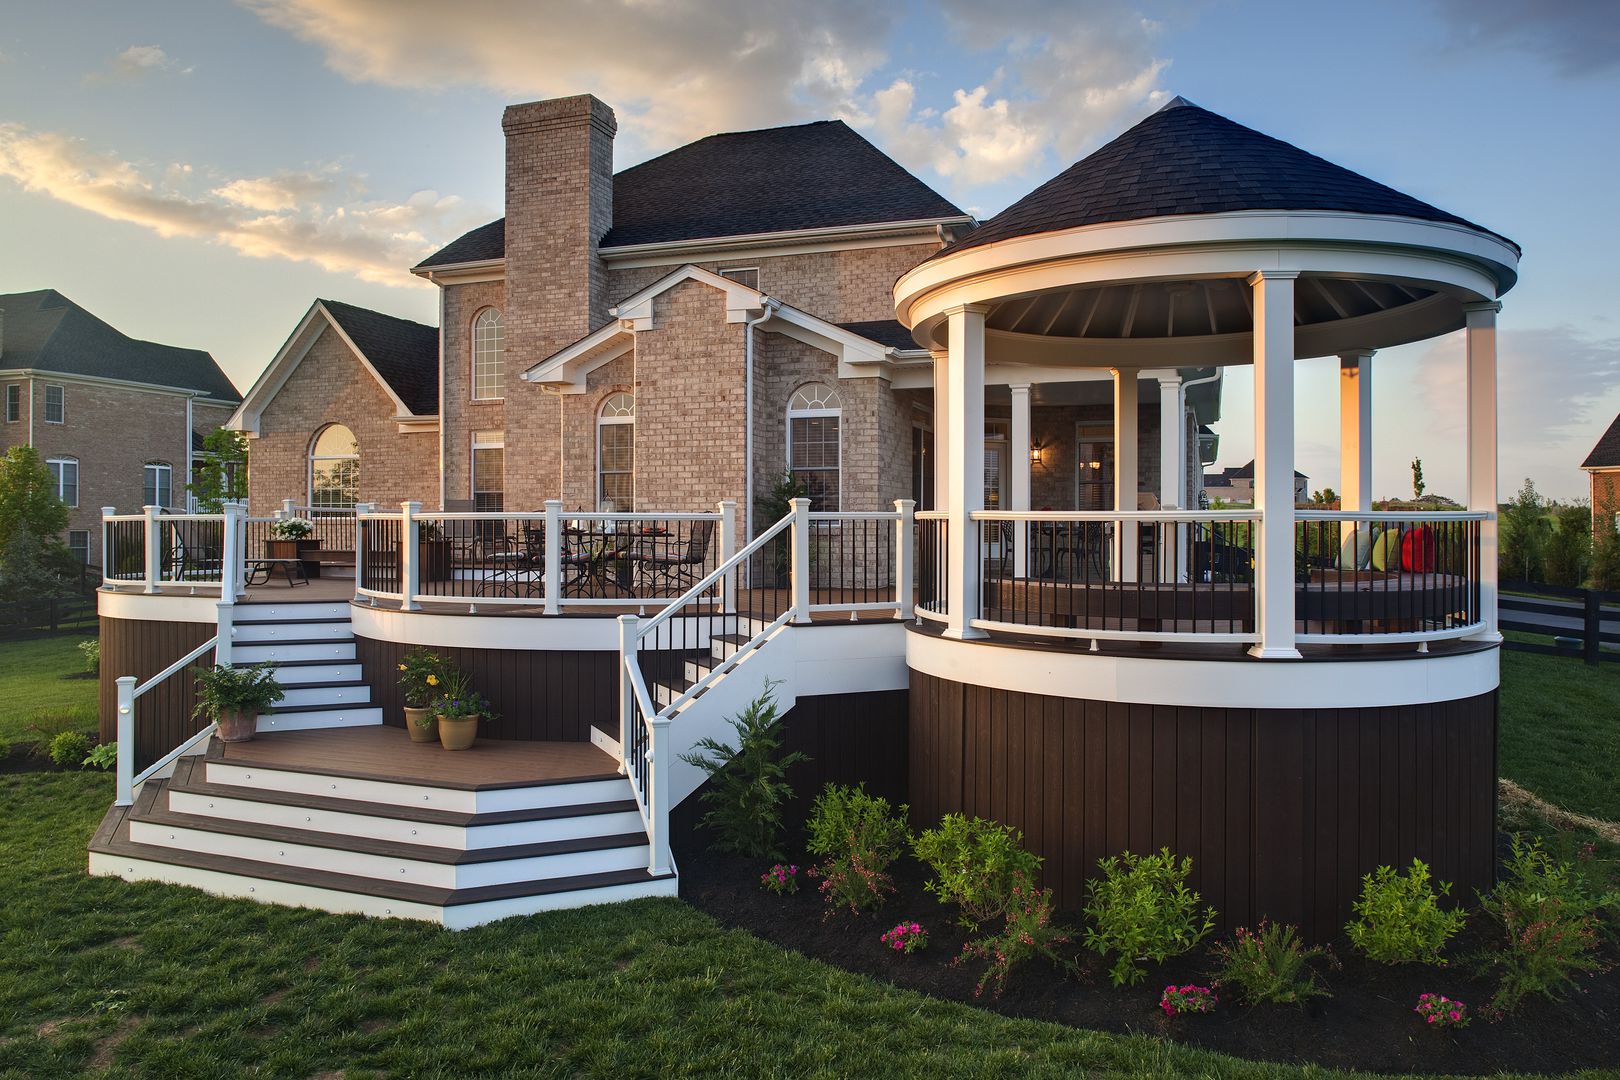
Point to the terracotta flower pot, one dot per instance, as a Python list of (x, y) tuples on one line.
[(236, 726), (458, 733), (422, 724)]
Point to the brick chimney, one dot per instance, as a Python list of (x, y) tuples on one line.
[(559, 204)]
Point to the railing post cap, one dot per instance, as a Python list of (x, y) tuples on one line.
[(627, 619), (122, 679)]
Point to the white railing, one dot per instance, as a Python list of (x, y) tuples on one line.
[(1143, 575), (129, 693), (156, 549)]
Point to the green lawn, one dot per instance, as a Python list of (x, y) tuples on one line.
[(44, 676), (1561, 731)]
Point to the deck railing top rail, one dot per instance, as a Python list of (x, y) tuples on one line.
[(1402, 516)]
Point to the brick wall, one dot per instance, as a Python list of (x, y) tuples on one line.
[(331, 386), (1605, 498), (460, 415), (1052, 483)]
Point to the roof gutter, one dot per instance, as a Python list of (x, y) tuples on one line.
[(839, 232)]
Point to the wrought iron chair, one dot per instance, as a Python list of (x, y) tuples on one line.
[(667, 565)]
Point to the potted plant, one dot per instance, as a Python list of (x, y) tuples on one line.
[(421, 680), (459, 709), (235, 696), (432, 552), (293, 538)]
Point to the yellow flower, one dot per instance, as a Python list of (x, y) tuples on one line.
[(402, 667), (433, 680)]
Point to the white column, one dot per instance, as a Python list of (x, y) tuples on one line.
[(154, 547), (942, 461), (409, 570), (799, 560), (1019, 444), (1482, 461), (963, 434), (905, 566), (1274, 460), (728, 548), (553, 557), (1127, 549), (1355, 430), (1172, 459)]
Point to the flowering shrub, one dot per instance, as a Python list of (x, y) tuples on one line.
[(1551, 920), (975, 863), (1439, 1011), (781, 879), (858, 836), (1399, 919), (291, 529), (906, 938), (1270, 964), (420, 674), (1140, 909), (1028, 933), (1181, 1000)]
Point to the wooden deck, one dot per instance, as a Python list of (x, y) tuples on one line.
[(386, 753)]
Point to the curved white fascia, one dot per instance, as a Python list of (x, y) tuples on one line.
[(157, 607), (1210, 684), (1236, 243), (434, 629)]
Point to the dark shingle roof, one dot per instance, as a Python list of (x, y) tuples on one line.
[(1187, 160), (889, 332), (47, 331), (808, 176), (1606, 454), (405, 353), (1246, 472)]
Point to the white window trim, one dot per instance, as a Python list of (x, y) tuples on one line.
[(310, 459), (485, 440), (47, 414), (473, 356), (14, 391), (811, 414), (74, 505), (157, 490), (606, 421)]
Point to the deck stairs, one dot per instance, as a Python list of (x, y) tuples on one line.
[(313, 648)]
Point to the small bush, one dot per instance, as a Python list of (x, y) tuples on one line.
[(69, 748), (1141, 909), (1029, 932), (781, 879), (1187, 999), (46, 725), (1551, 919), (1399, 919), (906, 937), (858, 837), (1270, 964), (102, 756), (747, 783), (1439, 1011), (90, 649), (975, 863)]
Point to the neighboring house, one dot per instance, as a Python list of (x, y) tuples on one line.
[(1602, 468), (678, 333), (1236, 485), (117, 420)]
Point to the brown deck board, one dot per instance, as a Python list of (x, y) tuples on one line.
[(387, 754)]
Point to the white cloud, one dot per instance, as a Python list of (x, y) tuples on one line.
[(137, 62), (261, 217)]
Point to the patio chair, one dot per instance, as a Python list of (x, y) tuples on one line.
[(670, 566)]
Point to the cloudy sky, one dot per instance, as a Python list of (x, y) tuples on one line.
[(197, 172)]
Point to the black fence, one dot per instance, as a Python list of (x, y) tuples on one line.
[(1583, 623)]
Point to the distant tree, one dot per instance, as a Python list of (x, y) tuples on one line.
[(34, 563), (1418, 486), (1568, 552), (219, 474), (1523, 539), (1325, 496)]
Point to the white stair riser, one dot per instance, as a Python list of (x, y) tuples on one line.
[(338, 716), (251, 777), (359, 694), (295, 676), (259, 652), (262, 613), (454, 837), (244, 633), (454, 917), (386, 868)]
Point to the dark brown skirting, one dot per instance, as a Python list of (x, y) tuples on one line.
[(1282, 811), (849, 739), (143, 648)]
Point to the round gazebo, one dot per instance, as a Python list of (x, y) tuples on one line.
[(1289, 695)]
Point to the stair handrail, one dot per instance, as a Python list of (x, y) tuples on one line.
[(698, 591), (128, 694)]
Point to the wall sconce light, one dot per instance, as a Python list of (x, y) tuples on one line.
[(1035, 453)]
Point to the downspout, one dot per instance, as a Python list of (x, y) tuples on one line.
[(191, 506), (31, 412), (1186, 384), (768, 308)]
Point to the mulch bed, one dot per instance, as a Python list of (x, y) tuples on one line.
[(1367, 1024)]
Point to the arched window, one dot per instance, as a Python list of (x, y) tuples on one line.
[(813, 444), (489, 356), (334, 469), (616, 453), (157, 484)]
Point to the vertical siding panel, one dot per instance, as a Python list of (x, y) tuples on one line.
[(1140, 720)]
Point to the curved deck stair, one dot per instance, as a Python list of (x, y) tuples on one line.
[(360, 820)]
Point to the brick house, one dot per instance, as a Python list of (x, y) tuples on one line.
[(683, 331), (1602, 467), (117, 420)]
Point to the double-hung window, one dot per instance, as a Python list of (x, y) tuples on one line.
[(157, 486), (616, 453), (489, 471), (13, 402), (65, 477), (55, 404), (814, 454)]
